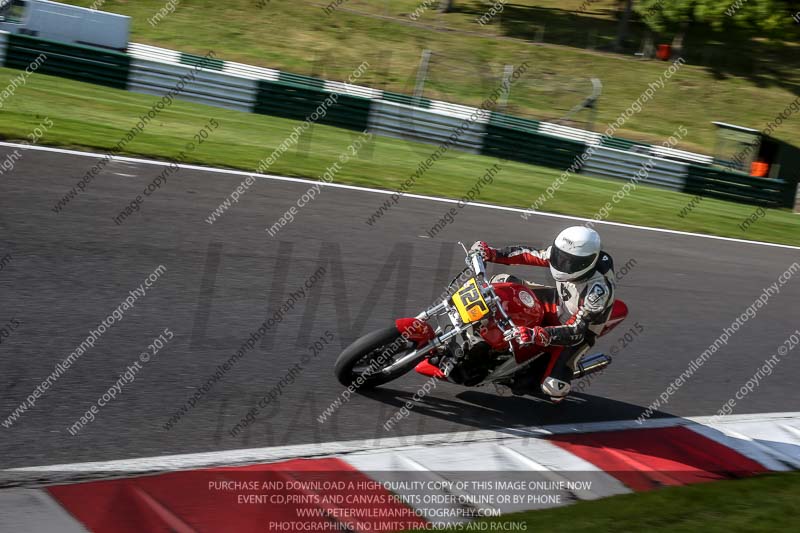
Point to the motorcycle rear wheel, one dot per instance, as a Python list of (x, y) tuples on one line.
[(384, 345)]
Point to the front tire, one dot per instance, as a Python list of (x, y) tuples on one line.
[(355, 361)]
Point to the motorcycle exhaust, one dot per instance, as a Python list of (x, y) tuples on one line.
[(590, 364)]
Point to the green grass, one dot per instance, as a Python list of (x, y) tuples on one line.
[(90, 116), (762, 504), (297, 36)]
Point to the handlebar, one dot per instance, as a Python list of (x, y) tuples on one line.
[(478, 264)]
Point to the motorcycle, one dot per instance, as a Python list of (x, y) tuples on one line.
[(462, 339)]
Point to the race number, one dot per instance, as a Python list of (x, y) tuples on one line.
[(470, 303)]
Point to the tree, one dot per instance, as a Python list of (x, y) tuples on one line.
[(622, 32), (726, 20), (445, 6), (762, 17)]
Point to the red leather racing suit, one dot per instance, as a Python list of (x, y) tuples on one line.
[(575, 311)]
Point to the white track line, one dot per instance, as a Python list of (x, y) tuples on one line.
[(326, 449), (387, 192)]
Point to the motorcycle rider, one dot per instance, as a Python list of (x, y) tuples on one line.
[(576, 309)]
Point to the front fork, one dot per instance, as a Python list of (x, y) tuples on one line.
[(419, 331)]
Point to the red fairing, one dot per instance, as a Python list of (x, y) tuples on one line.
[(420, 332), (521, 305), (415, 330), (618, 313), (427, 369)]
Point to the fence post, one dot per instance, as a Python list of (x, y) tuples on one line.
[(508, 71), (422, 73)]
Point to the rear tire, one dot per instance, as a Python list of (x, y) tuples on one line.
[(367, 349)]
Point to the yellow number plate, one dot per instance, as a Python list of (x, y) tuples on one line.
[(469, 302)]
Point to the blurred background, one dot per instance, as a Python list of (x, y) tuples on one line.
[(748, 52)]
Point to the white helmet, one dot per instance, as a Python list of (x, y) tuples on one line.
[(574, 253)]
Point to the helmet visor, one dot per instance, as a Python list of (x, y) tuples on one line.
[(568, 263)]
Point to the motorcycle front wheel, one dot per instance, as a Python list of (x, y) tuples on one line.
[(360, 363)]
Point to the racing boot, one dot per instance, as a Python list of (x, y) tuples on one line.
[(556, 388), (557, 384)]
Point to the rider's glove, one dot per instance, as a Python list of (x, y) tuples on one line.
[(486, 251), (536, 335)]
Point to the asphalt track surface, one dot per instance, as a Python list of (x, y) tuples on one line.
[(69, 270)]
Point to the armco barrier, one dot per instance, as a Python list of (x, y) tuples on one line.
[(352, 90), (421, 102), (301, 81), (797, 200), (530, 147), (680, 155), (737, 187), (77, 62), (298, 102), (523, 124), (145, 51), (154, 70), (426, 125), (3, 45), (612, 163), (565, 132), (459, 111), (201, 86), (210, 63)]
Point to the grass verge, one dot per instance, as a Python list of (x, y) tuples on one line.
[(766, 503), (90, 116)]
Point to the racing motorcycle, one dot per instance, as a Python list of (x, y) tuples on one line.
[(462, 339)]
